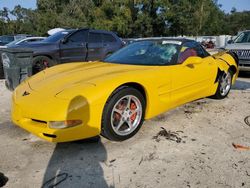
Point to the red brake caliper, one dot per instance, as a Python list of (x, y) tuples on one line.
[(132, 108)]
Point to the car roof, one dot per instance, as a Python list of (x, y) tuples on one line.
[(98, 30)]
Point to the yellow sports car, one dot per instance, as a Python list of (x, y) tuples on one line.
[(112, 98)]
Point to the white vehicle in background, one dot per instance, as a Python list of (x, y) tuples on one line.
[(6, 39), (241, 46), (55, 30), (24, 41)]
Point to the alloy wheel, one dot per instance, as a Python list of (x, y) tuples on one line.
[(126, 115)]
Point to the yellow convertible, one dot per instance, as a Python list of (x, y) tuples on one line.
[(112, 98)]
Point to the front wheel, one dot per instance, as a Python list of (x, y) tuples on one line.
[(40, 63), (123, 114), (224, 85)]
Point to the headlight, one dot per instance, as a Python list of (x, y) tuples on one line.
[(5, 60), (64, 124)]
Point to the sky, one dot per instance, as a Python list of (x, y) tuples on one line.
[(240, 5), (227, 5), (10, 4)]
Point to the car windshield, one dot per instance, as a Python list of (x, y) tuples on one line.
[(147, 53), (243, 38), (57, 36)]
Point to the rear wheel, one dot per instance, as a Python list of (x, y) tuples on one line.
[(40, 63), (224, 85), (123, 114)]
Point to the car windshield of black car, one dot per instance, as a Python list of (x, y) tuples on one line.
[(57, 36)]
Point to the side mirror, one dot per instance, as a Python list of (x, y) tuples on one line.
[(230, 42), (192, 61)]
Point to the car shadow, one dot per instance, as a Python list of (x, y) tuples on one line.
[(76, 164), (241, 85)]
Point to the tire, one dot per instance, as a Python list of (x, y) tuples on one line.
[(224, 85), (40, 63), (121, 121)]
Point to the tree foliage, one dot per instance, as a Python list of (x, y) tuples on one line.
[(128, 18)]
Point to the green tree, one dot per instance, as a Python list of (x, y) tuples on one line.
[(128, 18)]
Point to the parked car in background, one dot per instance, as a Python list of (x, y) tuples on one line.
[(23, 42), (73, 45), (241, 46), (5, 39)]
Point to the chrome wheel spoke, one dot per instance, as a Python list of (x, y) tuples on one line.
[(226, 77), (120, 124), (129, 101), (133, 112)]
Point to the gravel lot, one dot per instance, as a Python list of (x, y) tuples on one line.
[(204, 156)]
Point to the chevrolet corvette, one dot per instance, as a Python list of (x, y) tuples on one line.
[(112, 98)]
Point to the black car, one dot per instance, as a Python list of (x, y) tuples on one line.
[(72, 46)]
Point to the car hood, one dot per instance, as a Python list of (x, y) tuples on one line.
[(240, 46), (62, 77)]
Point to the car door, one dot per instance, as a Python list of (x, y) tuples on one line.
[(95, 46), (194, 75), (74, 47)]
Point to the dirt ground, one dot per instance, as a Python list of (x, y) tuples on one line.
[(201, 155)]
